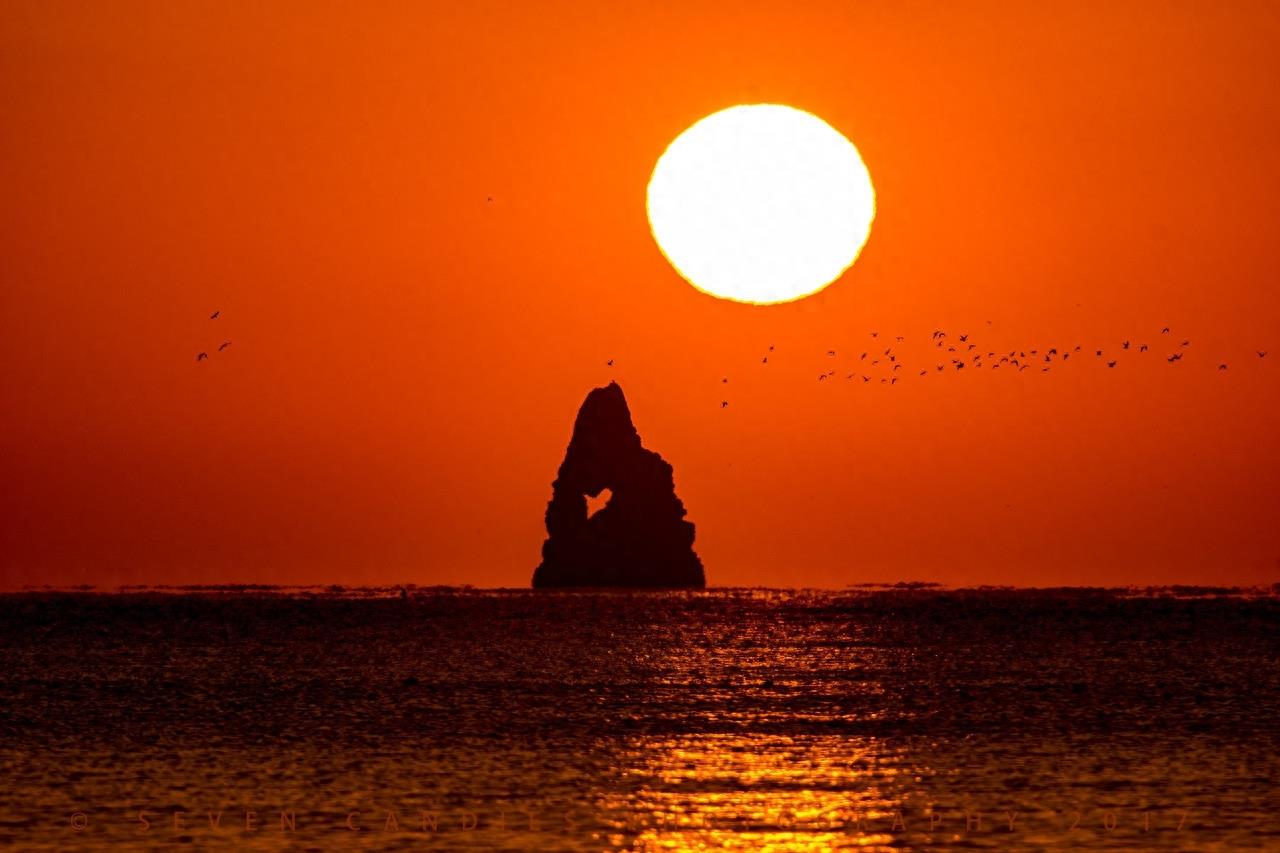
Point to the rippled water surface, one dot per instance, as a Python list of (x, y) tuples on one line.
[(739, 719)]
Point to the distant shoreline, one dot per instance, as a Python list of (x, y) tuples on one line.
[(411, 591)]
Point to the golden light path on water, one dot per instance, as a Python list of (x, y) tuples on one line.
[(725, 792)]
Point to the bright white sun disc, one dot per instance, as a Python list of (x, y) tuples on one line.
[(761, 203)]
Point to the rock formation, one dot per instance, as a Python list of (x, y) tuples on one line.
[(640, 538)]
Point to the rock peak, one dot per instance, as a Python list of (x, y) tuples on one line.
[(640, 538)]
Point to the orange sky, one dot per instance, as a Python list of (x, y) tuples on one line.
[(407, 359)]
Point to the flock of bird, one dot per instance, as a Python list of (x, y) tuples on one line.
[(959, 353), (201, 356)]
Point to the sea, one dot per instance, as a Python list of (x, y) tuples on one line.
[(870, 718)]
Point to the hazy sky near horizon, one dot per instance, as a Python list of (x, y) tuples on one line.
[(407, 357)]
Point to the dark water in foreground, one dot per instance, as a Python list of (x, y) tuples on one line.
[(720, 720)]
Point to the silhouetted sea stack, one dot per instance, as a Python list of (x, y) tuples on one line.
[(640, 538)]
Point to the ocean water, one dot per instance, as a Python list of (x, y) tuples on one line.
[(727, 719)]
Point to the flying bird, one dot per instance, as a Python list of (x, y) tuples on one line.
[(964, 338), (1165, 330), (224, 345), (724, 404), (725, 380), (1262, 353), (764, 360), (1222, 367), (1142, 348), (1124, 345), (1186, 343), (202, 356), (1111, 364), (215, 315), (609, 362), (831, 353)]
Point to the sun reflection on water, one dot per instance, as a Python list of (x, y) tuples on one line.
[(756, 793)]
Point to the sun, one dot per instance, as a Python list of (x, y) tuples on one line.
[(761, 203)]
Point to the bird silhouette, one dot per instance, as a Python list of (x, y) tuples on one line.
[(964, 338), (764, 360), (1124, 345), (215, 315), (1142, 348), (609, 362), (724, 404), (1222, 367), (1186, 343), (831, 353), (202, 356), (1111, 364), (1165, 330), (875, 334), (725, 379), (770, 347), (862, 357), (1263, 353), (224, 345)]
